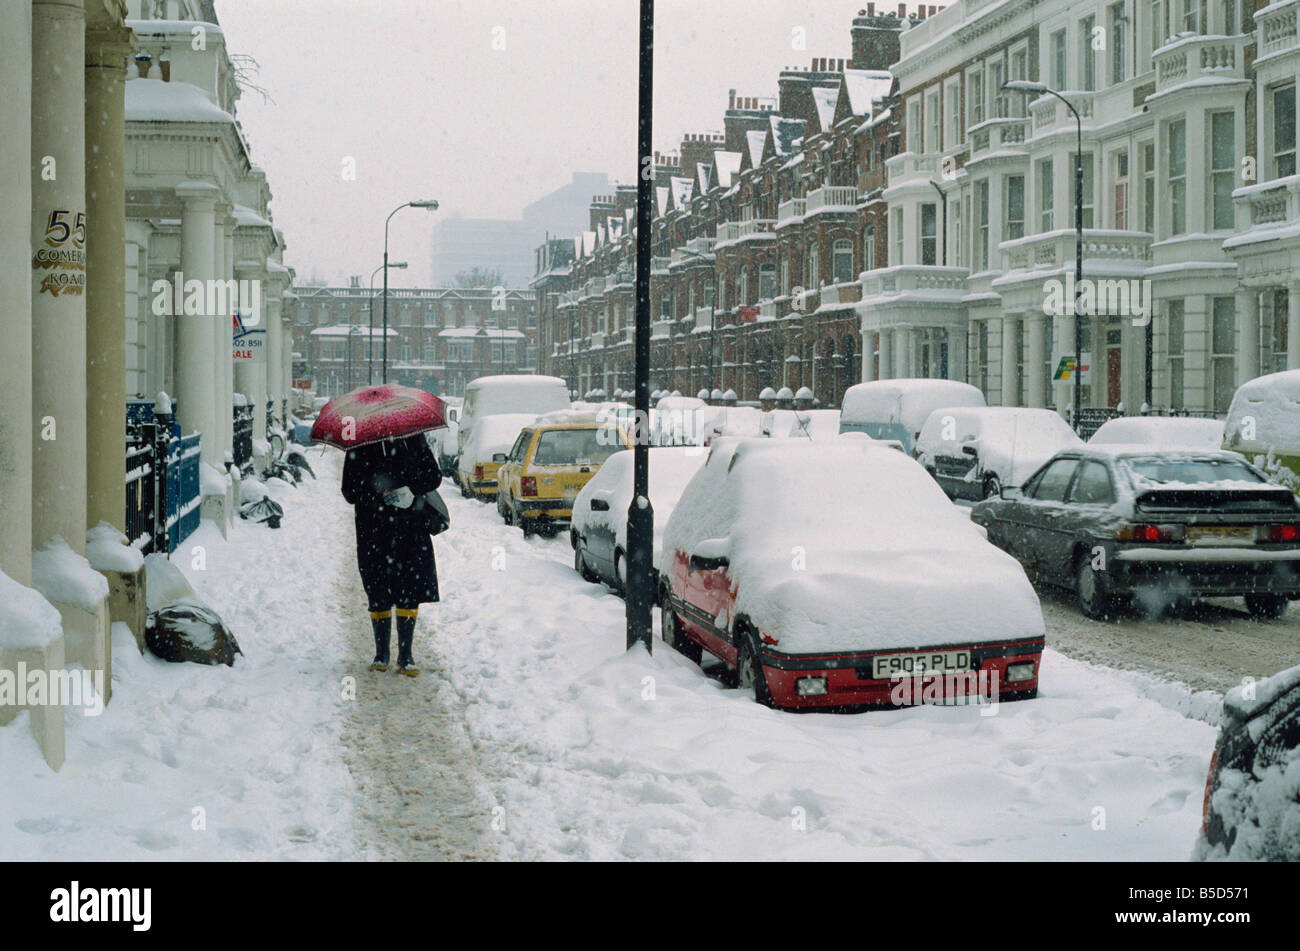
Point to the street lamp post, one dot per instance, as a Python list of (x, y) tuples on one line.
[(1025, 86), (370, 312), (431, 205), (640, 514)]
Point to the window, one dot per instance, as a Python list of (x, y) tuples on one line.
[(496, 351), (982, 357), (1088, 55), (430, 316), (1016, 103), (1223, 343), (1284, 131), (929, 233), (1229, 17), (1176, 340), (1092, 487), (842, 261), (869, 248), (430, 354), (982, 225), (1119, 214), (1222, 167), (976, 98), (1015, 214), (1045, 201), (932, 127), (766, 281), (953, 116), (1058, 59), (785, 274), (1087, 188), (959, 249), (1117, 24), (1280, 300), (1051, 483), (995, 90), (896, 232), (1149, 188), (1177, 165), (914, 142), (813, 281)]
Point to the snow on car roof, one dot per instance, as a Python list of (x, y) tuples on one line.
[(671, 469), (496, 433), (574, 417), (906, 401), (1265, 414), (847, 545), (516, 379), (1160, 432)]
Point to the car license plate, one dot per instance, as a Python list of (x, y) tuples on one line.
[(1221, 534), (884, 666)]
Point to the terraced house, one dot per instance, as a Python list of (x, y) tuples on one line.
[(1189, 210), (761, 233)]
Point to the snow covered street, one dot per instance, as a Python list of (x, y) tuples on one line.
[(533, 735)]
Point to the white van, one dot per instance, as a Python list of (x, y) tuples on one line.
[(896, 409), (510, 393)]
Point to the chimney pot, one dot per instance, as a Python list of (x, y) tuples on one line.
[(871, 9), (902, 11)]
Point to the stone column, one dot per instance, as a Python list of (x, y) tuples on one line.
[(226, 370), (1010, 361), (886, 354), (1247, 303), (1035, 359), (141, 350), (58, 160), (1197, 389), (272, 305), (902, 354), (958, 344), (868, 356), (196, 384), (1293, 326), (17, 277), (106, 52), (1062, 344)]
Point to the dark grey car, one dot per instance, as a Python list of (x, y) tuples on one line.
[(1160, 526)]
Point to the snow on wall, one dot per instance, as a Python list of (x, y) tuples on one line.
[(65, 577), (107, 549), (27, 620)]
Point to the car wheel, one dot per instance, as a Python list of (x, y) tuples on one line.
[(1094, 602), (580, 565), (749, 672), (673, 635), (526, 525), (992, 487), (464, 488), (1268, 607)]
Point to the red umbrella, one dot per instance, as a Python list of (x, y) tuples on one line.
[(375, 413)]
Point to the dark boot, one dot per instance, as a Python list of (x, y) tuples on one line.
[(382, 622), (405, 638)]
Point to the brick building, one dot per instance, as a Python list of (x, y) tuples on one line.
[(438, 338), (761, 232)]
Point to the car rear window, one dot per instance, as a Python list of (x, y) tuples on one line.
[(571, 447), (1189, 471)]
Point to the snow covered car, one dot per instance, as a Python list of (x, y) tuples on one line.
[(485, 452), (598, 531), (1251, 810), (1264, 425), (548, 466), (1114, 523), (509, 393), (677, 420), (802, 423), (896, 409), (1160, 432), (973, 451), (826, 591)]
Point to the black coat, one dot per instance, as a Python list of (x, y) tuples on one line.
[(394, 550)]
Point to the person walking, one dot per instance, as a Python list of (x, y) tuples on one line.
[(394, 551)]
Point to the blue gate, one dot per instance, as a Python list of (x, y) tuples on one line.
[(182, 488)]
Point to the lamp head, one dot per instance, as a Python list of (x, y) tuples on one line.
[(1024, 85), (428, 203)]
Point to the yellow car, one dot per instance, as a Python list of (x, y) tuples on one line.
[(548, 466)]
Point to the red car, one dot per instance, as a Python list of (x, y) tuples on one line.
[(838, 574)]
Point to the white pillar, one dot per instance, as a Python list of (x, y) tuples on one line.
[(16, 278), (1010, 361), (886, 354), (1247, 334), (1293, 326), (902, 354), (1035, 359), (58, 160), (958, 342), (868, 356), (105, 79), (196, 384)]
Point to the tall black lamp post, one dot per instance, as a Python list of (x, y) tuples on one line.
[(431, 205), (640, 516), (1041, 89), (370, 312)]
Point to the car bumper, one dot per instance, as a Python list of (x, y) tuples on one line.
[(1206, 572), (555, 509), (483, 488), (849, 682)]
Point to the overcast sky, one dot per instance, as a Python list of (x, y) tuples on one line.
[(425, 99)]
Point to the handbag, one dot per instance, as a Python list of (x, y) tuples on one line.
[(433, 511)]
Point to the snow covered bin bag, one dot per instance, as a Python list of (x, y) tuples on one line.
[(1264, 425), (180, 627), (1252, 793), (31, 639), (837, 574)]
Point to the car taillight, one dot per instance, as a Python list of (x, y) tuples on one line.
[(1150, 533), (1284, 533), (528, 485), (478, 473)]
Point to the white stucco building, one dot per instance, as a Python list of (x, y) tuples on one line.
[(1189, 193)]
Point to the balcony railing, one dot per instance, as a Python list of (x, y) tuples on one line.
[(1049, 112), (1199, 57), (597, 340), (703, 318), (1277, 29), (832, 198), (790, 212), (659, 264), (740, 230), (662, 327), (914, 277), (906, 165), (1053, 249), (1269, 202), (997, 135)]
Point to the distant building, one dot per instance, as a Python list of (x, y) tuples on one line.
[(507, 244)]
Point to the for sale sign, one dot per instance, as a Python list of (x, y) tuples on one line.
[(248, 343)]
